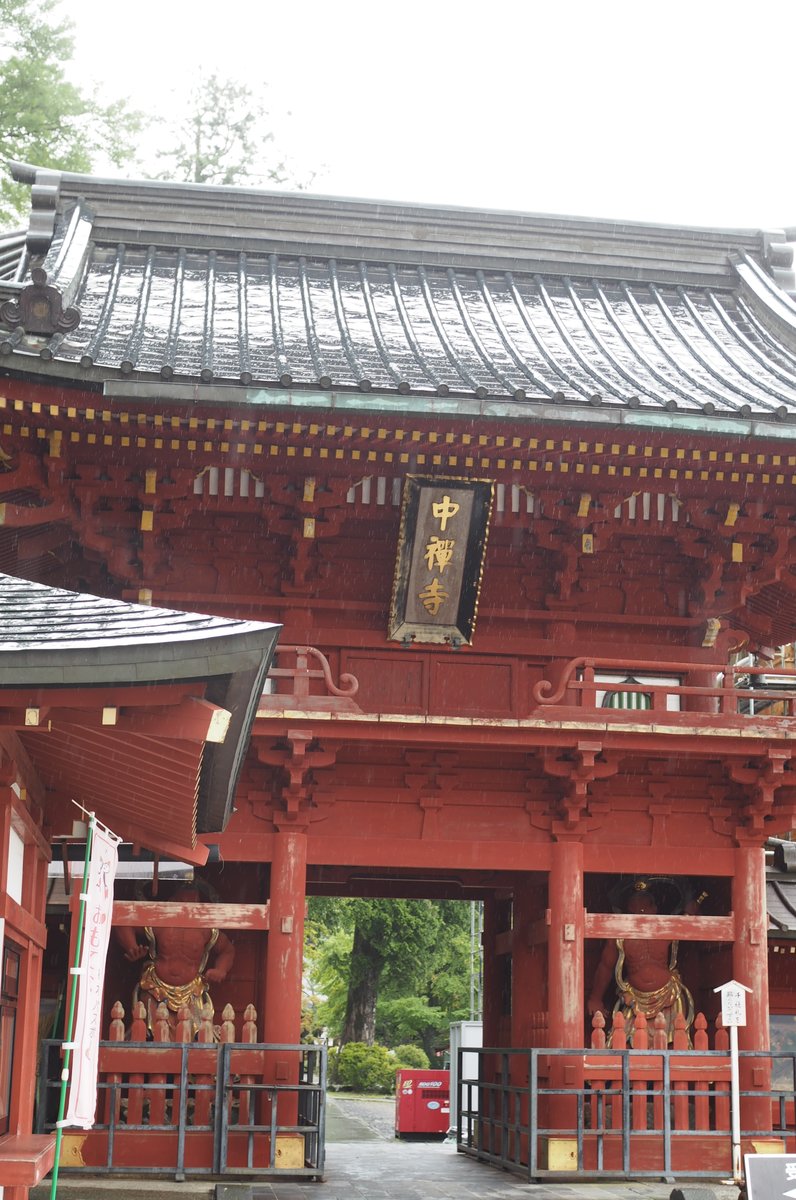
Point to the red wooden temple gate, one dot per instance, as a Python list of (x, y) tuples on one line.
[(231, 427)]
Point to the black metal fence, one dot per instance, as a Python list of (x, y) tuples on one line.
[(186, 1110), (619, 1113)]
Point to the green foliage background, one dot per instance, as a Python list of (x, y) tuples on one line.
[(44, 118), (421, 949)]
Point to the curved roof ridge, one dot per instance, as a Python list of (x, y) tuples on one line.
[(279, 222), (233, 287)]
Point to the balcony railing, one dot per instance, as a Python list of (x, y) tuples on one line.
[(619, 689), (612, 690)]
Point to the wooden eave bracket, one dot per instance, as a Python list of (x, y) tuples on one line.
[(762, 783), (192, 719)]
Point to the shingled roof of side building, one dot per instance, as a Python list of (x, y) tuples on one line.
[(412, 305), (52, 639)]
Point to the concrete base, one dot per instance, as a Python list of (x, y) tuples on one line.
[(124, 1189), (696, 1192)]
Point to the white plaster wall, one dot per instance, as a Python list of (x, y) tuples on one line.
[(16, 859)]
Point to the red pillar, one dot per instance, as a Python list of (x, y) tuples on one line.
[(565, 980), (527, 965), (705, 704), (493, 972), (565, 977), (282, 1018), (750, 967), (750, 950)]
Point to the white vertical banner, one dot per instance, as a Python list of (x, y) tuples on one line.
[(98, 911)]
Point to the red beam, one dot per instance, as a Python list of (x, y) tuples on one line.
[(146, 694), (153, 840), (660, 928), (183, 914), (191, 719), (20, 922)]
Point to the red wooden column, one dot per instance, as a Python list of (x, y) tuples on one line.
[(527, 966), (527, 997), (282, 1017), (750, 967), (492, 973), (565, 980), (703, 704), (565, 975)]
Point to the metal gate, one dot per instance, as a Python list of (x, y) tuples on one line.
[(619, 1113), (183, 1110)]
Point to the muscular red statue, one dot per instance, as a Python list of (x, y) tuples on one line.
[(645, 972), (176, 969)]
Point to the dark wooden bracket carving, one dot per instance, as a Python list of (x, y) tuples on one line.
[(297, 757), (761, 782), (579, 767)]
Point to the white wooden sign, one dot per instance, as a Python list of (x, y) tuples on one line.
[(733, 1003)]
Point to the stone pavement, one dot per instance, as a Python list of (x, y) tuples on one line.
[(365, 1162), (376, 1169)]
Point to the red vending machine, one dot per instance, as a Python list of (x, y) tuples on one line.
[(422, 1102)]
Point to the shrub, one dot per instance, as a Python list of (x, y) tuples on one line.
[(365, 1068), (411, 1056)]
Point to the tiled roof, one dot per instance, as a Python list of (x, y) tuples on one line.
[(222, 285), (781, 890), (50, 636)]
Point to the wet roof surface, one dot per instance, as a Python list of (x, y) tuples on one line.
[(33, 615), (53, 637), (781, 903), (300, 293), (254, 318)]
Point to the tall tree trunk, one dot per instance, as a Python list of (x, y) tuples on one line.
[(367, 962)]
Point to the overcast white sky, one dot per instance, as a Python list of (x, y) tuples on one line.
[(679, 112)]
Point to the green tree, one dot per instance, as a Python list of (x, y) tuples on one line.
[(405, 959), (224, 139), (44, 118)]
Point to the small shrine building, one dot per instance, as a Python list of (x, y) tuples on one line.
[(521, 492)]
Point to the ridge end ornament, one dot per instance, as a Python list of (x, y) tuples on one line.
[(39, 308), (440, 559)]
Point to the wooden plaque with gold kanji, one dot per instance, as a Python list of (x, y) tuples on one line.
[(441, 547)]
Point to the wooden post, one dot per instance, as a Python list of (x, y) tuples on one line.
[(527, 995), (565, 975), (565, 955), (598, 1123), (705, 679), (493, 973), (680, 1086), (157, 1097), (701, 1086), (113, 1095), (618, 1042), (227, 1037), (135, 1093), (660, 1041), (203, 1096), (248, 1034), (496, 917), (527, 963), (750, 967), (641, 1041), (282, 1018)]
